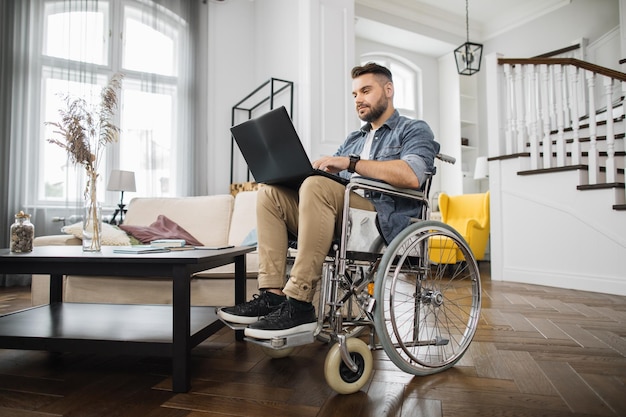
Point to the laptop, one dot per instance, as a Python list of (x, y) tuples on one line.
[(274, 152)]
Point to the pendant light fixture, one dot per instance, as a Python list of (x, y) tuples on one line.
[(469, 54)]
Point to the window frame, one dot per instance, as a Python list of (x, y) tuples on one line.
[(48, 67)]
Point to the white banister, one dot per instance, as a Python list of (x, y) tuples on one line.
[(623, 111), (592, 160), (509, 130), (559, 109), (532, 115), (610, 132), (545, 116), (574, 77), (518, 110)]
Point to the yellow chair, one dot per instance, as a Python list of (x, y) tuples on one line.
[(468, 214)]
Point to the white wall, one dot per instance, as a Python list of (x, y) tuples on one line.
[(553, 234), (309, 42), (231, 60), (563, 27)]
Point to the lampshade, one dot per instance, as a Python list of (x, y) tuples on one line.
[(468, 55), (121, 181), (481, 171)]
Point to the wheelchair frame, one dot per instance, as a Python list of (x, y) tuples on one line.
[(423, 310)]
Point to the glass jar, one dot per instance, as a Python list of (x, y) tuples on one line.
[(22, 233)]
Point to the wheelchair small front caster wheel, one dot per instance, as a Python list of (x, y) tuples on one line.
[(339, 376), (277, 353)]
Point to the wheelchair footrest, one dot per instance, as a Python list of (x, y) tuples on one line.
[(234, 326), (284, 342)]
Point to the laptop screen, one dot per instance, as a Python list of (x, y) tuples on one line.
[(273, 151)]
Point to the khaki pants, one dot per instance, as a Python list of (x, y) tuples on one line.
[(313, 214)]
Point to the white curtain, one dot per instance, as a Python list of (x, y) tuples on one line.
[(26, 72), (14, 39)]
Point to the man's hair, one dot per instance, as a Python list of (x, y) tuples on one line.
[(371, 68)]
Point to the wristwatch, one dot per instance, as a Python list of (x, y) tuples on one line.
[(353, 160)]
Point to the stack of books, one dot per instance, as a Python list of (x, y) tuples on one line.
[(156, 246)]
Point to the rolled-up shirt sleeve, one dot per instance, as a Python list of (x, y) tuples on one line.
[(419, 147)]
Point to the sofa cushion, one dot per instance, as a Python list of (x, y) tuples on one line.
[(243, 223), (206, 217), (111, 235), (162, 228)]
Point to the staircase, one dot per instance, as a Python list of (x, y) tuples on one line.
[(552, 118), (556, 151)]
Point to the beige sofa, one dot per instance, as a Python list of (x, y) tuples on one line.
[(213, 220)]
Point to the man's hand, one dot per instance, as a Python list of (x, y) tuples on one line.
[(332, 164)]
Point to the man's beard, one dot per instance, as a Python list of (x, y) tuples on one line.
[(375, 112)]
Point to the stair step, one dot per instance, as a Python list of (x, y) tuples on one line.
[(556, 169), (604, 186), (601, 153), (598, 123), (584, 139), (598, 138), (619, 170), (586, 125)]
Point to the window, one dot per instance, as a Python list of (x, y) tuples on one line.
[(82, 44), (406, 80)]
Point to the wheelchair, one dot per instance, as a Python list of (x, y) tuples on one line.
[(419, 296)]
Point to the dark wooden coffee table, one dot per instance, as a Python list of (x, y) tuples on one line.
[(154, 330)]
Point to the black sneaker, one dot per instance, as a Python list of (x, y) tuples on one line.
[(251, 311), (286, 320)]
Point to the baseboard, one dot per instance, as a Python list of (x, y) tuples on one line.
[(567, 280)]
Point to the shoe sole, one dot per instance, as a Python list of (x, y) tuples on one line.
[(269, 334), (231, 318)]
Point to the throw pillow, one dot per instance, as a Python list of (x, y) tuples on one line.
[(162, 228), (250, 239), (111, 235)]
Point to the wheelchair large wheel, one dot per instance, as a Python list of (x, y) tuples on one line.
[(428, 298)]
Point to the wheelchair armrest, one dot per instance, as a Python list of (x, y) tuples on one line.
[(382, 186)]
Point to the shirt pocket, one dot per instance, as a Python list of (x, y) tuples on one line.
[(389, 153)]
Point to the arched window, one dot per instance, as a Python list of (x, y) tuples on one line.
[(407, 81)]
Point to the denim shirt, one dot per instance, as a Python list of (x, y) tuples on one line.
[(398, 138)]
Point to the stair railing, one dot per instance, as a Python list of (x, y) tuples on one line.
[(546, 105)]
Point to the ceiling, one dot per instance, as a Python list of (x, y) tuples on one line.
[(436, 27)]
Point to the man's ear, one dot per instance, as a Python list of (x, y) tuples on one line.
[(389, 90)]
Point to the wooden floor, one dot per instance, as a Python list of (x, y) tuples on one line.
[(539, 351)]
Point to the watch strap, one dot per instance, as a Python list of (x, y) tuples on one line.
[(353, 160)]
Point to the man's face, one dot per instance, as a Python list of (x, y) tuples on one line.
[(370, 97)]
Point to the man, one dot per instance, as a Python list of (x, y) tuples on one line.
[(389, 147)]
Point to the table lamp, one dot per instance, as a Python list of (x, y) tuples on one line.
[(481, 171), (121, 181)]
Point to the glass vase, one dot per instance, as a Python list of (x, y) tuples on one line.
[(92, 227)]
